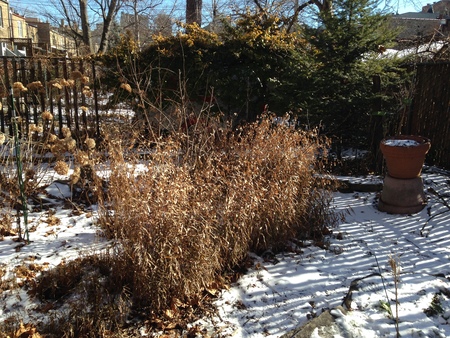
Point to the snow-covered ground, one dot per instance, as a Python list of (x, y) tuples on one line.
[(281, 292), (284, 291)]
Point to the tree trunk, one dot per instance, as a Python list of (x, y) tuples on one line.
[(85, 27), (194, 11), (104, 42)]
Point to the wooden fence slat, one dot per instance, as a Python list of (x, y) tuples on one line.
[(431, 110)]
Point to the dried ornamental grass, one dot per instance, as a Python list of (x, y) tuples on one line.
[(162, 239), (202, 208)]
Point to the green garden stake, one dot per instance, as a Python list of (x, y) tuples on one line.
[(23, 198)]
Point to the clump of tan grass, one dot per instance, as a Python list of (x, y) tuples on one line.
[(82, 299), (207, 198)]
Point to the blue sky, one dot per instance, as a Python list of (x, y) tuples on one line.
[(410, 6), (32, 7)]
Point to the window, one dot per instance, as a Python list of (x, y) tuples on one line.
[(1, 16), (20, 29)]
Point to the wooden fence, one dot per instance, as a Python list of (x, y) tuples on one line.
[(67, 88), (430, 114)]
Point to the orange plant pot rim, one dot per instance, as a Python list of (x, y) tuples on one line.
[(405, 160)]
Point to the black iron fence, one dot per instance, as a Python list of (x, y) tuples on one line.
[(66, 88), (69, 89)]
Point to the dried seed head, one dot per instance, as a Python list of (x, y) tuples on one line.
[(85, 79), (47, 116), (61, 168), (64, 83), (36, 128), (57, 85), (18, 88), (90, 143), (75, 75), (84, 108), (36, 85), (394, 264), (57, 148), (52, 138), (66, 132), (71, 144), (82, 158), (87, 91), (75, 177), (126, 86), (2, 138)]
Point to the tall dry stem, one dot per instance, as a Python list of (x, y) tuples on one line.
[(394, 264)]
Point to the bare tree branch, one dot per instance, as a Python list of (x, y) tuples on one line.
[(77, 17)]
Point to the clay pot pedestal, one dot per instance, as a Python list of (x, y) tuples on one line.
[(403, 191)]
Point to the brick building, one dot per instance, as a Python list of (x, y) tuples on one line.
[(432, 21), (21, 36)]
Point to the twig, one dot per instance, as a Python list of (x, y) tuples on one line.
[(395, 270), (23, 197), (444, 202)]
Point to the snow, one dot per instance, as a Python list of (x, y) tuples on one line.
[(401, 143), (281, 292), (426, 50)]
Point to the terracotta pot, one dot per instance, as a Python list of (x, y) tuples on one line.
[(403, 158)]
